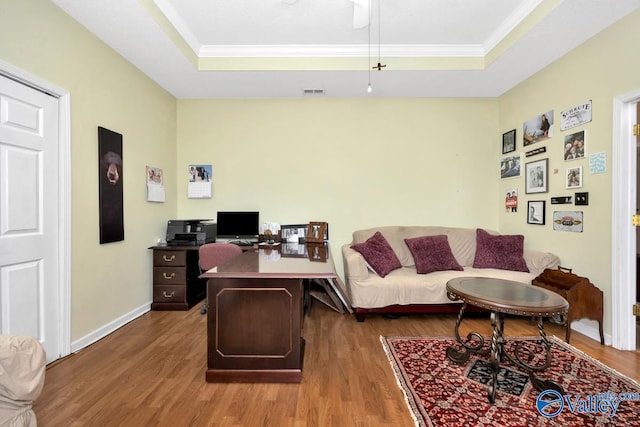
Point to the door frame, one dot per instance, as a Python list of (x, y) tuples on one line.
[(623, 234), (64, 185)]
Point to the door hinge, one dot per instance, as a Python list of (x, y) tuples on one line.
[(635, 220), (636, 130), (636, 309)]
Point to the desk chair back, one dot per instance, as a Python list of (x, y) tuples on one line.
[(213, 254)]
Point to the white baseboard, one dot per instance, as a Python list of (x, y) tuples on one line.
[(590, 331), (109, 328)]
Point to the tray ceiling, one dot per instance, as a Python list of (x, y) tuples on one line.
[(296, 48)]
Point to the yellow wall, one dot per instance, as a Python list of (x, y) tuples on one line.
[(597, 71), (107, 281), (354, 163)]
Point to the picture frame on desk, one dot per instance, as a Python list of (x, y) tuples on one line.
[(293, 233), (297, 233), (317, 233)]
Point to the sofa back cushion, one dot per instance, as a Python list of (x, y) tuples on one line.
[(378, 254), (462, 241), (502, 252), (432, 253)]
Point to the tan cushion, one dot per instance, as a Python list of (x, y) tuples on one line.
[(22, 371)]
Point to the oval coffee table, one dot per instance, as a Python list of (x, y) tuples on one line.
[(504, 297)]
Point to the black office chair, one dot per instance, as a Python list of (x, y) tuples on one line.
[(214, 254)]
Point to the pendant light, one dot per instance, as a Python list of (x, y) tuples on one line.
[(379, 66)]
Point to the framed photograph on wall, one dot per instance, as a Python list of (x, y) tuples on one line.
[(539, 128), (510, 166), (574, 145), (535, 212), (537, 176), (574, 177), (509, 141)]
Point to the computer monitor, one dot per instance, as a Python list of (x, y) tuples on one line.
[(240, 226)]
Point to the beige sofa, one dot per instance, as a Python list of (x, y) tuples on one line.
[(403, 290)]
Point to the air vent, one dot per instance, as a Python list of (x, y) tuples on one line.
[(313, 92)]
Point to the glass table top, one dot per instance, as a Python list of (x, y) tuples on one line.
[(505, 295)]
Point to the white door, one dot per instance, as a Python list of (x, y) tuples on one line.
[(29, 215)]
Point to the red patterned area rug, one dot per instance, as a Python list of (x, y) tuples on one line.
[(442, 393)]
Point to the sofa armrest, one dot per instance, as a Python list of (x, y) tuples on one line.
[(355, 267), (537, 261)]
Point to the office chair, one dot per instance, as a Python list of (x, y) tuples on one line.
[(213, 254)]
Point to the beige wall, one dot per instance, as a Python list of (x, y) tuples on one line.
[(107, 281), (593, 71), (354, 163)]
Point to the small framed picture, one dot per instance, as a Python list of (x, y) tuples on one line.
[(293, 233), (535, 212), (574, 177), (537, 176), (574, 146), (316, 232), (509, 141), (510, 166)]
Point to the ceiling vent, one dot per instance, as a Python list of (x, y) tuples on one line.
[(313, 92)]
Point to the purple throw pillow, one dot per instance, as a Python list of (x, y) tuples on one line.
[(432, 253), (378, 254), (501, 252)]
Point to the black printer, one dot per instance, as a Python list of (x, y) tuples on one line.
[(190, 232)]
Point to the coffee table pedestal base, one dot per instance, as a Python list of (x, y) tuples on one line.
[(475, 343)]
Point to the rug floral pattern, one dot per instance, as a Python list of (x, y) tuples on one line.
[(442, 393)]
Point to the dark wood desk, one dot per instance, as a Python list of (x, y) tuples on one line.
[(255, 315), (176, 285)]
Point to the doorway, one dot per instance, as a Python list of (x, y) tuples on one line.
[(35, 215), (637, 107), (623, 233)]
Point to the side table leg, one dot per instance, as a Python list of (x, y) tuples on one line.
[(474, 343), (540, 384), (497, 342)]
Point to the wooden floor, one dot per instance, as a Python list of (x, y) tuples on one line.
[(151, 372)]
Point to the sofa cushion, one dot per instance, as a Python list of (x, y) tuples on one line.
[(432, 253), (378, 254), (501, 252)]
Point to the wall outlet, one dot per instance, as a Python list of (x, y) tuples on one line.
[(582, 199)]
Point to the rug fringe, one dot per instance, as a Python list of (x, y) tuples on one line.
[(400, 381)]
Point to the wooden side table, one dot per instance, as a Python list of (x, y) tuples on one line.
[(585, 299)]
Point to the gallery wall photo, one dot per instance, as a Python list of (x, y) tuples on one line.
[(110, 186)]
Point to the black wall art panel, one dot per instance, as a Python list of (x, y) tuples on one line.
[(110, 186)]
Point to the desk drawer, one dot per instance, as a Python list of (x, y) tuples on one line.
[(169, 258), (169, 276), (169, 294)]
